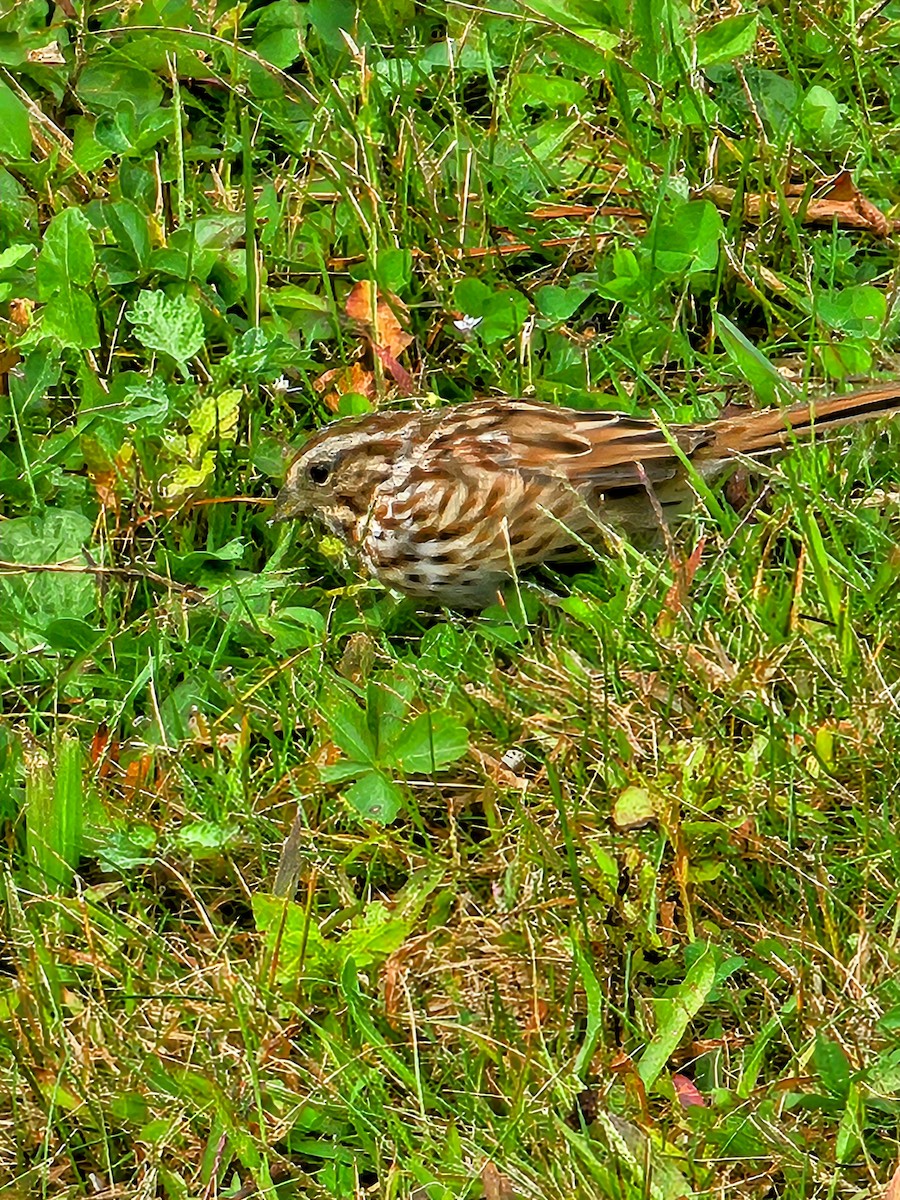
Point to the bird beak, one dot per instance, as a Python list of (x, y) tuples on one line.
[(287, 504)]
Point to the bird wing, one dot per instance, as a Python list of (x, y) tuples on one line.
[(596, 450)]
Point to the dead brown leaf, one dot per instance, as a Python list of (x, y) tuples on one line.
[(892, 1191), (337, 382), (834, 199), (497, 1186), (378, 317), (687, 1092)]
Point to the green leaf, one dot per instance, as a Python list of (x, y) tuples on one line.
[(686, 240), (217, 416), (633, 808), (375, 797), (13, 255), (54, 800), (67, 254), (730, 38), (431, 741), (171, 325), (820, 113), (72, 319), (376, 937), (129, 227), (859, 311), (560, 303), (767, 382), (340, 772), (578, 19), (550, 91), (674, 1013), (349, 730), (65, 267), (832, 1066), (278, 37), (107, 79), (29, 602), (387, 707), (851, 1129), (15, 128), (393, 269), (503, 314)]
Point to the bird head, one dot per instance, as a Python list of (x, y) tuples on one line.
[(335, 475)]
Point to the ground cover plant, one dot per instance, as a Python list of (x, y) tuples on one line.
[(307, 890)]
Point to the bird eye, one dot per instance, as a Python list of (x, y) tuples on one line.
[(319, 472)]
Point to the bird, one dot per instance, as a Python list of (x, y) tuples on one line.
[(449, 504)]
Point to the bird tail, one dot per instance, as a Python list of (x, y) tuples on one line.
[(759, 433)]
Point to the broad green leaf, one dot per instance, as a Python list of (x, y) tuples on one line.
[(117, 130), (846, 359), (29, 385), (674, 1013), (188, 476), (66, 259), (820, 113), (393, 269), (278, 37), (560, 303), (291, 933), (349, 730), (15, 129), (172, 325), (340, 772), (375, 797), (860, 310), (65, 267), (12, 256), (730, 38), (767, 382), (29, 602), (217, 416), (387, 708), (551, 91), (503, 315), (72, 319), (578, 19), (375, 937), (832, 1066), (291, 296), (633, 808), (129, 227), (777, 98), (124, 850), (431, 741), (687, 239), (108, 78)]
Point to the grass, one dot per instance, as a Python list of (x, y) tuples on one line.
[(307, 891)]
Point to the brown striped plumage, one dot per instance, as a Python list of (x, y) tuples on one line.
[(449, 504)]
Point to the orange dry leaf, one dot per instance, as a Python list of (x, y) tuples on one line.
[(837, 199), (685, 570), (497, 1186), (137, 776), (20, 313), (340, 380), (687, 1092), (105, 486), (104, 751), (378, 317), (892, 1191)]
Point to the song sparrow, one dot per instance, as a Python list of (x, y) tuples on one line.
[(449, 504)]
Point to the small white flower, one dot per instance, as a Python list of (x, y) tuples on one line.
[(467, 325)]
